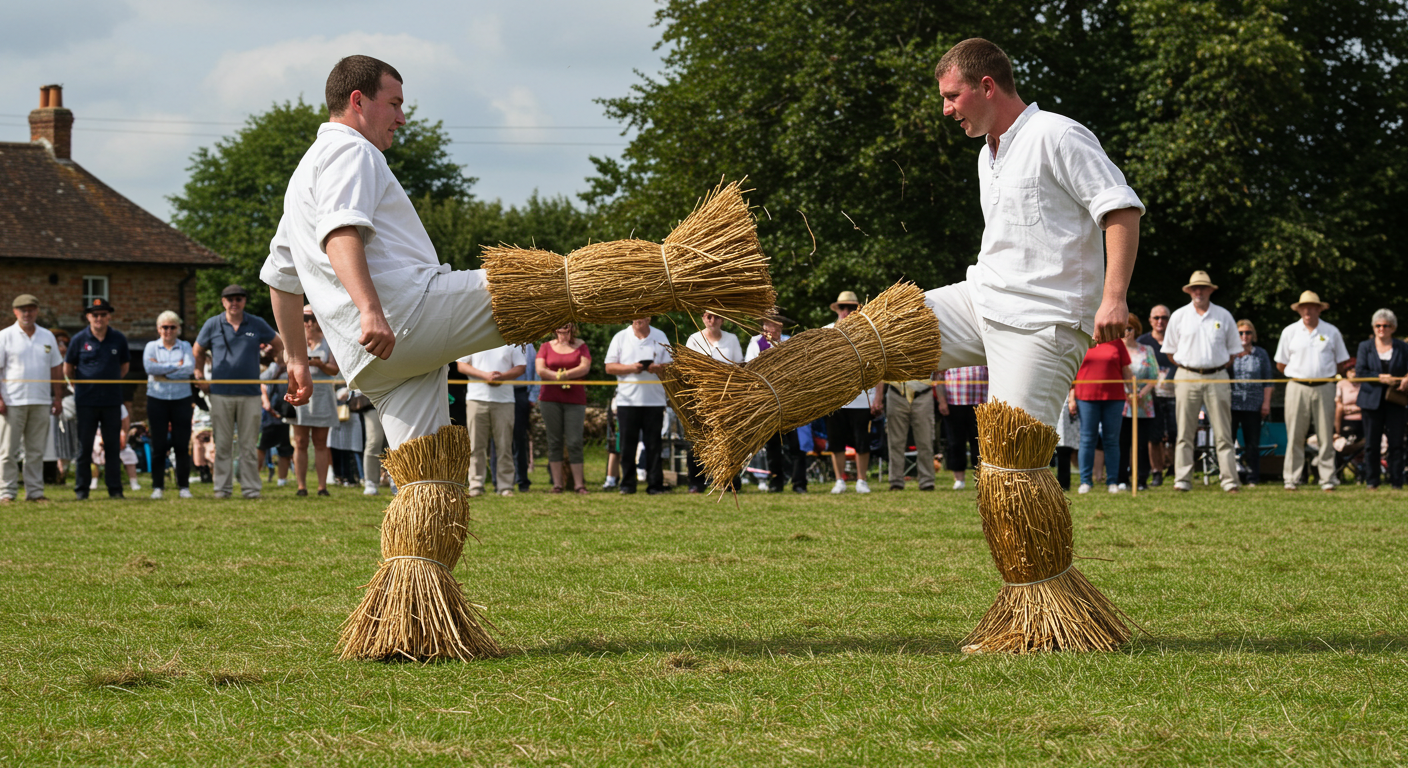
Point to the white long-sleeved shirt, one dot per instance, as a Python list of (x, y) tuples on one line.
[(344, 181), (728, 350), (1044, 197)]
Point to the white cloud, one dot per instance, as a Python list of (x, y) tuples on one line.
[(248, 81), (520, 108)]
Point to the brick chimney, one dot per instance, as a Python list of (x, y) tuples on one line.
[(51, 123)]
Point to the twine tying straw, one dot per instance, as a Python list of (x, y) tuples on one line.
[(1039, 581), (854, 349), (567, 281), (996, 468), (776, 399), (669, 281), (884, 361), (414, 557), (437, 482)]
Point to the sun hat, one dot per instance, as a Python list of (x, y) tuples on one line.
[(846, 297), (1309, 297), (1199, 278)]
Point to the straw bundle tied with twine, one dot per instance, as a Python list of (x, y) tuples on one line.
[(730, 411), (1045, 603), (711, 261), (413, 607)]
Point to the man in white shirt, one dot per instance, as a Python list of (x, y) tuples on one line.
[(721, 346), (489, 411), (1202, 340), (27, 352), (1310, 349), (1046, 280), (637, 355)]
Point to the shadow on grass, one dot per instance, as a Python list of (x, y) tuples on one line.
[(798, 645), (785, 645)]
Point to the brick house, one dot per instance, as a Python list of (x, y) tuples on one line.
[(68, 238)]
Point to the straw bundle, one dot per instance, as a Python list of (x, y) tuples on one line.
[(1045, 603), (711, 261), (413, 607), (730, 411)]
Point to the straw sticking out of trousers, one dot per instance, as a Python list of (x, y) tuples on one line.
[(730, 411), (1045, 604), (711, 261), (414, 608)]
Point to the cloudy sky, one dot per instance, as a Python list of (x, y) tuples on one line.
[(149, 81)]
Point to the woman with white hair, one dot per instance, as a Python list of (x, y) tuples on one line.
[(169, 402), (1385, 358), (319, 414)]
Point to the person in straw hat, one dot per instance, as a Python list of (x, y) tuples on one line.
[(1310, 353), (1202, 340), (786, 459), (1061, 232)]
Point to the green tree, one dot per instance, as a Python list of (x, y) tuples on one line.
[(234, 198), (1265, 137)]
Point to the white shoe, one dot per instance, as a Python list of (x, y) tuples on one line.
[(1084, 488), (185, 493), (283, 481), (135, 486), (156, 493), (609, 484), (959, 485), (369, 490), (862, 486), (1114, 488), (640, 475), (93, 485), (839, 487)]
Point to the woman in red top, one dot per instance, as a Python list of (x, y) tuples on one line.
[(1101, 408), (564, 406)]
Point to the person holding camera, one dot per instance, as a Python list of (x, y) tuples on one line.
[(636, 357)]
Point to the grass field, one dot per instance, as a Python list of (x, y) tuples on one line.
[(672, 630)]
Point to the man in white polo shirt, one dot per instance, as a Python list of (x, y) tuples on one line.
[(489, 411), (1202, 340), (638, 355), (30, 363), (1310, 349), (1060, 236)]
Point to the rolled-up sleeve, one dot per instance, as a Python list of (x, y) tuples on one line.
[(1083, 168), (349, 187), (279, 271)]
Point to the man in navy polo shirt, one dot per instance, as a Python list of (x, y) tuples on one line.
[(232, 340), (95, 353)]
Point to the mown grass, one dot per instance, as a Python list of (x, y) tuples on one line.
[(673, 630)]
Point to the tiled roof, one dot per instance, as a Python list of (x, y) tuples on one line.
[(54, 209)]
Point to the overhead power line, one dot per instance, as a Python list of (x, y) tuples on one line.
[(180, 121)]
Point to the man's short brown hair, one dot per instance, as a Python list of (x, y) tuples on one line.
[(356, 73), (975, 59)]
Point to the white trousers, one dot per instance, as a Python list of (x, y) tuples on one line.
[(409, 389), (1029, 369)]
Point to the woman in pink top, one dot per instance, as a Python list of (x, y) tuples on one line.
[(1101, 408), (564, 406)]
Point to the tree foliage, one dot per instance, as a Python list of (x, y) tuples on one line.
[(1265, 136), (235, 196)]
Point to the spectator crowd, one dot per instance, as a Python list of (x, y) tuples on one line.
[(1195, 392)]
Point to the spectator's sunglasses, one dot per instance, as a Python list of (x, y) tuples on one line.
[(848, 307), (170, 327), (1157, 318)]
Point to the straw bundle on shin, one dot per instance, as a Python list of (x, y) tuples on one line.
[(1045, 603), (711, 261), (730, 411), (413, 607)]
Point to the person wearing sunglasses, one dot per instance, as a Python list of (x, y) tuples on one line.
[(1382, 402), (1251, 401), (1165, 399), (169, 402)]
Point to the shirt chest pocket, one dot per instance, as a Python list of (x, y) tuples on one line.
[(1019, 200)]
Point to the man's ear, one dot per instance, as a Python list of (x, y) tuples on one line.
[(988, 85), (354, 101)]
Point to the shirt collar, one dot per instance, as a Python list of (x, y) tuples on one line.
[(1004, 141), (331, 127)]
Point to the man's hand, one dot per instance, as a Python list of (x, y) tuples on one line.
[(655, 368), (200, 381), (377, 336), (1265, 407), (300, 384), (1111, 319)]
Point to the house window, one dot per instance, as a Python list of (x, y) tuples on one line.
[(94, 287)]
